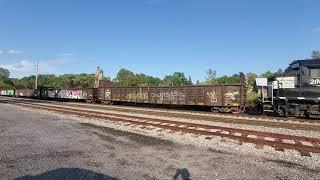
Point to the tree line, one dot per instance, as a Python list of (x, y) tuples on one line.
[(123, 78), (48, 80), (126, 77)]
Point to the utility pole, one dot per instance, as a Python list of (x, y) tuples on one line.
[(37, 74)]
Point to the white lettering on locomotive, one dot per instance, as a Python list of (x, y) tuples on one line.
[(315, 82)]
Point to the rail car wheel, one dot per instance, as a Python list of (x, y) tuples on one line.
[(104, 102), (307, 114), (285, 111), (89, 101)]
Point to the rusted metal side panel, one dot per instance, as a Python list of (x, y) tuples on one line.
[(214, 95), (232, 95), (87, 93), (165, 95), (136, 94), (200, 98), (99, 93), (144, 94), (191, 95), (130, 94), (152, 95), (19, 92), (25, 93), (181, 95), (173, 95), (123, 94), (116, 94), (107, 93)]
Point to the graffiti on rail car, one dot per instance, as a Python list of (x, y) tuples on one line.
[(232, 97), (51, 94), (107, 95), (84, 94), (168, 96), (140, 95), (7, 92), (212, 96), (70, 94)]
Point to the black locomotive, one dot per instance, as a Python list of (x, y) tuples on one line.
[(297, 93)]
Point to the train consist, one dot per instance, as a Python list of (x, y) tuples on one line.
[(223, 98), (296, 93)]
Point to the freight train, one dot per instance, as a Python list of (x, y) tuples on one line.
[(222, 98), (296, 93)]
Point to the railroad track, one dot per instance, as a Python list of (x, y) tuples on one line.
[(274, 122), (200, 113), (306, 126), (305, 145)]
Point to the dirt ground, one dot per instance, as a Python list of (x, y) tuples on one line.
[(35, 145)]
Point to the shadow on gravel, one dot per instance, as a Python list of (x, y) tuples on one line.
[(68, 174), (294, 165), (137, 138)]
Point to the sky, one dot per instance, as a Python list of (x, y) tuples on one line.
[(156, 37)]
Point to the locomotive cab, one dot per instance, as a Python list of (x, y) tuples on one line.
[(297, 93)]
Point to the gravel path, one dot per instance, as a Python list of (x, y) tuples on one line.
[(44, 145)]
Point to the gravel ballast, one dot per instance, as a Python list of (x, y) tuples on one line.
[(220, 124), (41, 143)]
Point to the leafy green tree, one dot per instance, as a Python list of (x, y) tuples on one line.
[(4, 73), (140, 79), (228, 79), (268, 74), (66, 81), (251, 78), (152, 81), (5, 81), (315, 54), (125, 77), (177, 79)]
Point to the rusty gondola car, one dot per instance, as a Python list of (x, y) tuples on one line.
[(26, 93), (223, 98)]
